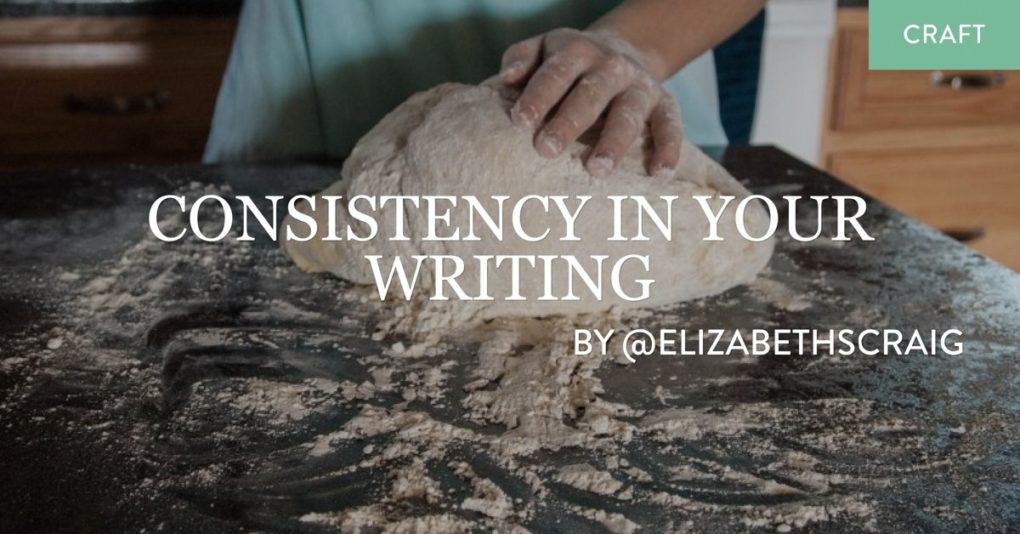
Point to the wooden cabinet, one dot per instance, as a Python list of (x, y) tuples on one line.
[(963, 191), (99, 91), (941, 146)]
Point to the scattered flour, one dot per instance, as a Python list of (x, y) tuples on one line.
[(587, 478), (508, 392)]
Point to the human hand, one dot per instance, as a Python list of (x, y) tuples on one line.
[(588, 73)]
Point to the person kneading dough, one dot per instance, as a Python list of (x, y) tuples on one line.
[(307, 78), (593, 111)]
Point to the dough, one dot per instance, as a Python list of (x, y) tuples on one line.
[(458, 140)]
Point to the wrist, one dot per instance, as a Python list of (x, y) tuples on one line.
[(648, 59)]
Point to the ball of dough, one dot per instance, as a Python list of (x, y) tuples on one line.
[(458, 140)]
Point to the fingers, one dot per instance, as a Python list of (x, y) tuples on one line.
[(585, 103), (624, 123), (667, 137), (520, 60), (547, 86)]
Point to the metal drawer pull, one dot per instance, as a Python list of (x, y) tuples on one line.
[(959, 82), (117, 105), (965, 235)]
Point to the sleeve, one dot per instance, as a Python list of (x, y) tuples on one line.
[(695, 89), (267, 108)]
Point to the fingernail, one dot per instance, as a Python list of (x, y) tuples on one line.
[(525, 116), (512, 70), (548, 145), (600, 165), (663, 172)]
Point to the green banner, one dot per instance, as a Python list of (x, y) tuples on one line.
[(944, 34)]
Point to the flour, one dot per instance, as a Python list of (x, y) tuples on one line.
[(547, 399), (613, 522), (373, 517), (488, 498), (689, 423), (587, 478), (282, 404), (458, 140), (414, 483), (524, 392), (306, 399), (780, 295)]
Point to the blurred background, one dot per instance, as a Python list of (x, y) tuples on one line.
[(112, 82)]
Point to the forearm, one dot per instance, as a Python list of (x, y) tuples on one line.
[(671, 33)]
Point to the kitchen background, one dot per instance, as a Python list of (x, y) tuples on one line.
[(112, 82)]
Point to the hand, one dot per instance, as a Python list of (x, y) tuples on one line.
[(587, 73)]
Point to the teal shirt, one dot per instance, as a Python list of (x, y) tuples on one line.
[(307, 78)]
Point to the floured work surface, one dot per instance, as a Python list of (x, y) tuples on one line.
[(215, 386)]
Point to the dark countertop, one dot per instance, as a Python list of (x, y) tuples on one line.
[(78, 8), (106, 337)]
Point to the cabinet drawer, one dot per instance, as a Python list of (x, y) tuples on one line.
[(950, 189), (896, 99), (145, 95)]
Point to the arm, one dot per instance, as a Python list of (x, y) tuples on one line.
[(672, 33), (616, 67)]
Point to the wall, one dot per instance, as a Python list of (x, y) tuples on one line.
[(795, 56)]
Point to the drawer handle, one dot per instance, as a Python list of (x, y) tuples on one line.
[(154, 102), (959, 82), (965, 235)]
